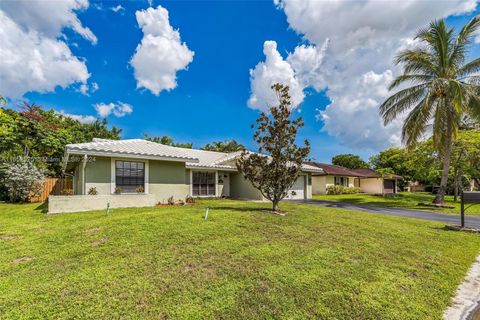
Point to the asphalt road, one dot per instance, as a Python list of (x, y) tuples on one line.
[(470, 221)]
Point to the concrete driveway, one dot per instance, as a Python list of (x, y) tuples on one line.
[(470, 221)]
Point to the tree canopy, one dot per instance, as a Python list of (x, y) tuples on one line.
[(224, 146), (351, 161), (437, 88), (167, 140), (275, 169), (42, 135)]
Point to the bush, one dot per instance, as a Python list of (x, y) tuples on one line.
[(332, 189), (67, 192), (21, 180), (92, 191), (140, 189), (170, 200)]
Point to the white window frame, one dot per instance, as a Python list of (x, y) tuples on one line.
[(191, 183), (113, 177)]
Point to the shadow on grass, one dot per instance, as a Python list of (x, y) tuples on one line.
[(43, 207), (242, 209), (264, 210)]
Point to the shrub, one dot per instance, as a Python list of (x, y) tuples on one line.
[(22, 180), (140, 189), (93, 191), (189, 199), (118, 190), (67, 192), (332, 189), (171, 200)]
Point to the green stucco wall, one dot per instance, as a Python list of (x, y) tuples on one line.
[(97, 174), (243, 189), (168, 178)]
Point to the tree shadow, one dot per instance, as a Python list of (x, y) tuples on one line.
[(264, 210), (43, 208)]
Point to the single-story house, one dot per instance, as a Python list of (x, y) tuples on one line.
[(367, 180), (136, 172)]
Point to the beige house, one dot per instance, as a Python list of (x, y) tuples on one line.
[(137, 173), (367, 180)]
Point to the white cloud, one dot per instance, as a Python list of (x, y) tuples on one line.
[(79, 117), (273, 70), (48, 17), (160, 54), (87, 89), (33, 58), (118, 8), (118, 109), (357, 65)]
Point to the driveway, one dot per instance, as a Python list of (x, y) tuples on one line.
[(470, 221)]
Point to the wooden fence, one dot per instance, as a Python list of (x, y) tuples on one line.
[(54, 186)]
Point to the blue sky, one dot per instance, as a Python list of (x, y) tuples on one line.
[(210, 100)]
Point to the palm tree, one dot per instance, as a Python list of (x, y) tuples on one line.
[(440, 89)]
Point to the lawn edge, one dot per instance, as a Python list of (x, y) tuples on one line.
[(467, 297)]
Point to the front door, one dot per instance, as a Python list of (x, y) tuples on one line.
[(226, 184), (388, 186)]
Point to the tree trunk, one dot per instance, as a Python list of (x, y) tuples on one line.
[(274, 205), (455, 186), (446, 163)]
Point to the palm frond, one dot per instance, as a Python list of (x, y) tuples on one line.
[(411, 78), (401, 101), (463, 40), (417, 120), (469, 68), (417, 61)]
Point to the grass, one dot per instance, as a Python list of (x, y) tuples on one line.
[(242, 263), (407, 200)]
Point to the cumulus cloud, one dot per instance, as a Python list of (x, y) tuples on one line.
[(273, 70), (87, 89), (48, 17), (358, 40), (160, 54), (118, 8), (79, 117), (119, 109), (33, 58)]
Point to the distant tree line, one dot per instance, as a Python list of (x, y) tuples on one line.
[(423, 163), (41, 135)]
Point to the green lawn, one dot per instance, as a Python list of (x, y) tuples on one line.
[(407, 200), (243, 263)]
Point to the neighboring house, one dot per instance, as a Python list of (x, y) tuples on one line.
[(367, 180), (134, 173)]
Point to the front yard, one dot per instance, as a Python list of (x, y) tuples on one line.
[(242, 263), (406, 200)]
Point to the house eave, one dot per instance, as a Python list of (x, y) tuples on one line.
[(130, 155)]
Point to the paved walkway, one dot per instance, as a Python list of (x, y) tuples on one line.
[(470, 221)]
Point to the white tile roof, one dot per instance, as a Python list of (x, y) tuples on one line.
[(131, 147), (140, 148)]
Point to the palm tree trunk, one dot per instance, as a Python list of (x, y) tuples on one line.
[(446, 164)]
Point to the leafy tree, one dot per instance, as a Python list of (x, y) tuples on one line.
[(42, 135), (224, 146), (167, 140), (442, 89), (21, 179), (351, 161), (465, 159), (275, 171)]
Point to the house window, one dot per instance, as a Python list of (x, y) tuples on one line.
[(341, 181), (129, 176), (203, 183)]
